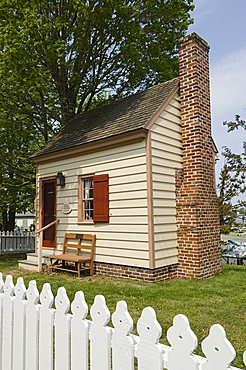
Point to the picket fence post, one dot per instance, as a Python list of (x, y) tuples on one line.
[(122, 341), (19, 325), (32, 326), (62, 331), (149, 351), (1, 315), (7, 328), (46, 325), (217, 349), (183, 342), (100, 335), (79, 333)]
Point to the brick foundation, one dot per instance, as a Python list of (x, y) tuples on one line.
[(136, 273), (196, 201)]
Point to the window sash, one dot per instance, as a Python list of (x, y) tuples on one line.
[(86, 199)]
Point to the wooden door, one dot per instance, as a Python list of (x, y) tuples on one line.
[(49, 212)]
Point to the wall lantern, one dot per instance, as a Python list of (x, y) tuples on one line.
[(60, 179)]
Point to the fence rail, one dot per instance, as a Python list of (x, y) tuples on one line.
[(17, 242), (36, 336)]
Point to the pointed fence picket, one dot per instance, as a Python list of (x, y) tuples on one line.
[(79, 333), (32, 327), (36, 336), (122, 341), (46, 325), (19, 325), (7, 323), (100, 335), (62, 330)]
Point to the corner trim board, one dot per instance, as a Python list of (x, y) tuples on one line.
[(150, 202)]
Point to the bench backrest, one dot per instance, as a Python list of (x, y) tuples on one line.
[(80, 242)]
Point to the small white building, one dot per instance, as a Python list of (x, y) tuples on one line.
[(120, 164), (24, 220)]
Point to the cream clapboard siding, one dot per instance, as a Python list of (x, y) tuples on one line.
[(166, 148), (125, 239)]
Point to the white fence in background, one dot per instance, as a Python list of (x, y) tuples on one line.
[(36, 336), (17, 242)]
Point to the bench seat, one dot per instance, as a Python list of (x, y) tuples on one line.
[(66, 257), (84, 245)]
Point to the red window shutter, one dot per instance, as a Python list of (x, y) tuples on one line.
[(101, 198)]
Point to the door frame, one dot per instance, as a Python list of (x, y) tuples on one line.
[(41, 213)]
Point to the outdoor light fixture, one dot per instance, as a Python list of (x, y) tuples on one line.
[(60, 179)]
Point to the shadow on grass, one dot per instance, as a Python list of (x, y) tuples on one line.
[(9, 261)]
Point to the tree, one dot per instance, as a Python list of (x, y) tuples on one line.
[(232, 179), (17, 172), (61, 54), (59, 58)]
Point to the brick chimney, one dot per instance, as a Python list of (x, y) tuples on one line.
[(197, 206)]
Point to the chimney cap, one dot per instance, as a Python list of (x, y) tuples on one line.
[(193, 38)]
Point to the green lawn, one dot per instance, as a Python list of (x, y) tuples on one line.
[(205, 302)]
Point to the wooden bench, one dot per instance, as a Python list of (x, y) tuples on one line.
[(78, 251)]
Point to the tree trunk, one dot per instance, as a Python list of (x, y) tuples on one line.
[(11, 220), (8, 220), (5, 220)]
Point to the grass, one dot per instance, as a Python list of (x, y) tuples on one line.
[(205, 302)]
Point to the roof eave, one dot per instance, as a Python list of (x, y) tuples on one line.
[(112, 141)]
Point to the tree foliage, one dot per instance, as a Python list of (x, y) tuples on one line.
[(61, 57), (66, 52), (17, 172), (232, 181)]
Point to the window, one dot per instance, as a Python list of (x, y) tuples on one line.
[(93, 199), (87, 201)]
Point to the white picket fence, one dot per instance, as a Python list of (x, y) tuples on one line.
[(17, 242), (36, 336)]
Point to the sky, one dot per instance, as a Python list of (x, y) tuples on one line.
[(222, 24)]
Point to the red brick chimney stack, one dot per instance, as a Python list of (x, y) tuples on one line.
[(197, 206)]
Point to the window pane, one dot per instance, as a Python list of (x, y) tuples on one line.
[(88, 214), (86, 184), (86, 204), (86, 193)]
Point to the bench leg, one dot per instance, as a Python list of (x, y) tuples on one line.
[(92, 268), (52, 264), (79, 268)]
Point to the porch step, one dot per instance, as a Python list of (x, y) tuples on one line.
[(33, 257), (30, 265)]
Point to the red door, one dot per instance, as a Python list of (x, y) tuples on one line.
[(49, 212)]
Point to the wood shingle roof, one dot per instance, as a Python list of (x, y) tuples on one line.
[(118, 117)]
